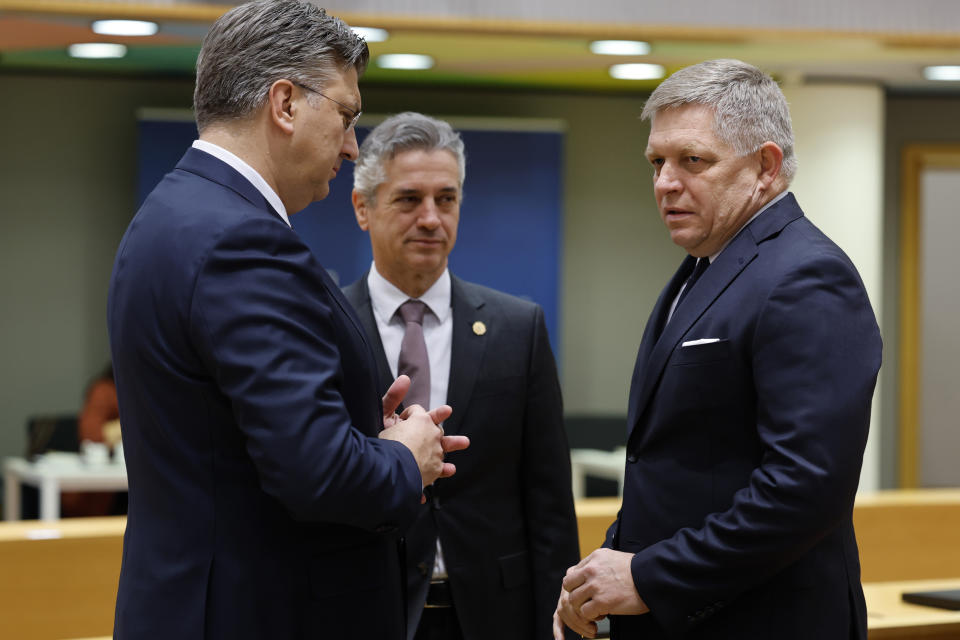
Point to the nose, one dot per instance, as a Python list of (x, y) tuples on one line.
[(429, 217), (350, 150), (666, 180)]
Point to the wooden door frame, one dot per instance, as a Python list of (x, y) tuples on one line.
[(916, 159)]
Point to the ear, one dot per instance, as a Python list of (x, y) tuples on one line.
[(360, 210), (280, 105), (771, 160)]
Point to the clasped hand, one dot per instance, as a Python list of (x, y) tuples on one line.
[(421, 432), (599, 585)]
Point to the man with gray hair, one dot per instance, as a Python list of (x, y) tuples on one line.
[(266, 496), (487, 552), (750, 401)]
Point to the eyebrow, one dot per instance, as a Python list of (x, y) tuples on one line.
[(685, 150), (413, 191)]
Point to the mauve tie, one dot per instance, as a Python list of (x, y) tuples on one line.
[(414, 361)]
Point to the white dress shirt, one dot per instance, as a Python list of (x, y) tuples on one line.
[(437, 327), (247, 172), (386, 299)]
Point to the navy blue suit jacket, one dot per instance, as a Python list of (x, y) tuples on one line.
[(506, 519), (262, 505), (744, 453)]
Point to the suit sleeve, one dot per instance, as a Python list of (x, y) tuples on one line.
[(265, 324), (815, 356), (548, 495)]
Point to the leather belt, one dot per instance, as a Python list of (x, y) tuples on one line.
[(439, 595)]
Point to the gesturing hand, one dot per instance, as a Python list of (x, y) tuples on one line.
[(421, 432)]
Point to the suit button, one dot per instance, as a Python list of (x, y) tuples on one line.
[(632, 458)]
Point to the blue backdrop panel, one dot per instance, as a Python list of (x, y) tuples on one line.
[(510, 220)]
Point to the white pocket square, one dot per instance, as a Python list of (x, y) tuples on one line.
[(693, 343)]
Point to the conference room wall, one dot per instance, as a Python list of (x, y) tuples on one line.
[(67, 175)]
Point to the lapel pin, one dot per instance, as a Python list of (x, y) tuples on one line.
[(479, 328)]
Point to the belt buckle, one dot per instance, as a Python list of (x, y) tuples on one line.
[(438, 595)]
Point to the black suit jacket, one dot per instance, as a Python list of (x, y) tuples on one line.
[(505, 520), (262, 504), (744, 453)]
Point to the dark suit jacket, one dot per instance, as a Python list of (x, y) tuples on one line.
[(744, 454), (505, 520), (262, 505)]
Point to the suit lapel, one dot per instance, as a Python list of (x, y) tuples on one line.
[(651, 333), (212, 168), (359, 296), (467, 349), (655, 351)]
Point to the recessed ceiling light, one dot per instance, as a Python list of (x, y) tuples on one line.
[(637, 71), (620, 47), (371, 34), (97, 50), (404, 61), (125, 27), (942, 72)]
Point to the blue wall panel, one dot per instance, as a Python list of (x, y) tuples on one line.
[(510, 234)]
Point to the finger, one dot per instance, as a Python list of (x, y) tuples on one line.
[(573, 579), (557, 626), (448, 470), (395, 395), (454, 443), (593, 610), (411, 410), (580, 625), (423, 498), (581, 595), (441, 413), (572, 618)]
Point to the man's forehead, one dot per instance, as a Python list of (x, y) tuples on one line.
[(689, 126), (423, 164)]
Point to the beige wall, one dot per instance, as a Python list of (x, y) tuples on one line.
[(67, 184)]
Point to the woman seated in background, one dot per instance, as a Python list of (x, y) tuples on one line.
[(98, 422)]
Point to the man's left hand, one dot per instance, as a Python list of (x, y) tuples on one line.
[(599, 585)]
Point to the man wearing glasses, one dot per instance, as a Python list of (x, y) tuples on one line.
[(265, 501)]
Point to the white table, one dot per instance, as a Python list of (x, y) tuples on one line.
[(596, 462), (53, 477)]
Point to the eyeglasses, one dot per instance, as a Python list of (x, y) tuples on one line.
[(347, 122)]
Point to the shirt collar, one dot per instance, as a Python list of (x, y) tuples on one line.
[(386, 298), (247, 172), (776, 199)]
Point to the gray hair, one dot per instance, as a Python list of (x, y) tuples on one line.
[(748, 106), (407, 131), (253, 45)]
